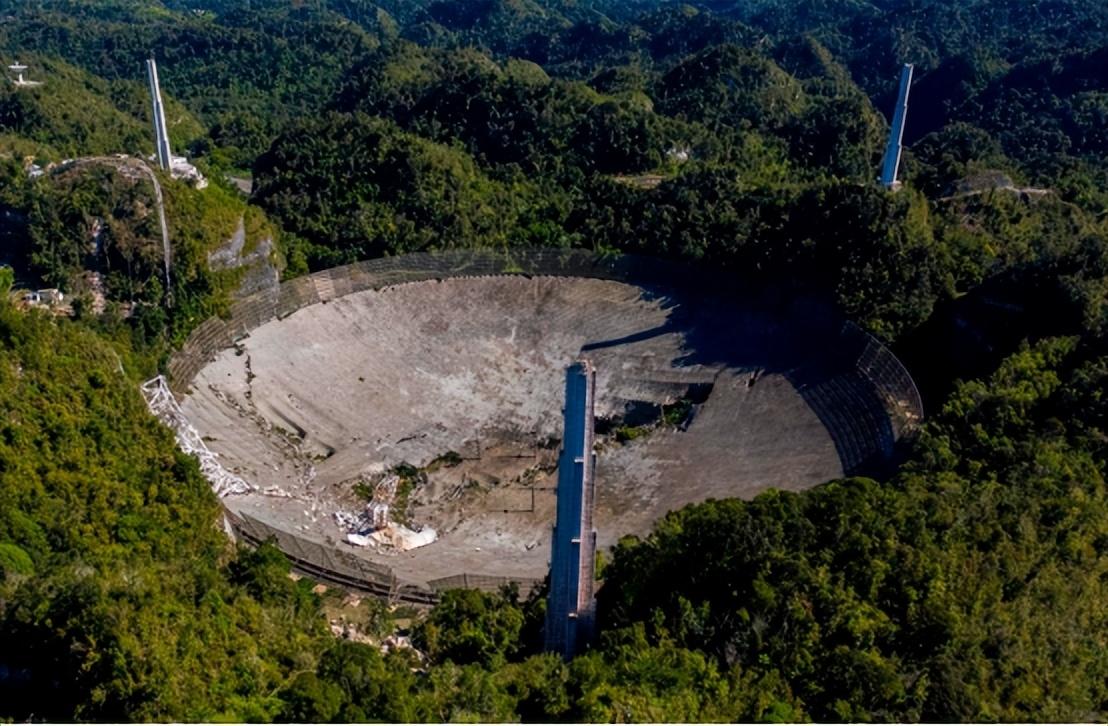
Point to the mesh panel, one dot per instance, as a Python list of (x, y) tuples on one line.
[(486, 583), (857, 435)]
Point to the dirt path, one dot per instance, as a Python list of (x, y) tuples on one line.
[(124, 163)]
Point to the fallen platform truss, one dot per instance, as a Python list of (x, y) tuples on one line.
[(163, 405)]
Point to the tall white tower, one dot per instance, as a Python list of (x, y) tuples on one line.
[(896, 133), (161, 134)]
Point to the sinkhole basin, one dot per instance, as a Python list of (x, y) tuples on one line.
[(452, 365)]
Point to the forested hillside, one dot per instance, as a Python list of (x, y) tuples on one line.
[(745, 135)]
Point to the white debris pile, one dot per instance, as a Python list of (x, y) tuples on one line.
[(359, 540), (358, 527), (399, 537), (163, 405), (180, 168), (373, 528), (351, 522), (376, 514)]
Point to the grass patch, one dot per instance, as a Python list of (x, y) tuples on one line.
[(365, 490), (670, 416), (677, 413), (630, 433), (446, 461), (410, 477)]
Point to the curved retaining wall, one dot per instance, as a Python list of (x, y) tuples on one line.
[(216, 334), (894, 412)]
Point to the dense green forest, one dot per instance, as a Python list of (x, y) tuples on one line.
[(746, 135)]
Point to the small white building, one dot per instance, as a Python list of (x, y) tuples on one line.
[(180, 168), (48, 296)]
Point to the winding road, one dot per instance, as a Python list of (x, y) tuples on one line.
[(122, 162)]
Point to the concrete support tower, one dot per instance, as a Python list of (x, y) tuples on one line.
[(571, 608), (161, 134), (896, 133)]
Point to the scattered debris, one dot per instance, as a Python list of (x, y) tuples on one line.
[(372, 528), (349, 521), (165, 407)]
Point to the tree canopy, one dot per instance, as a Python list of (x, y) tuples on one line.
[(968, 584)]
